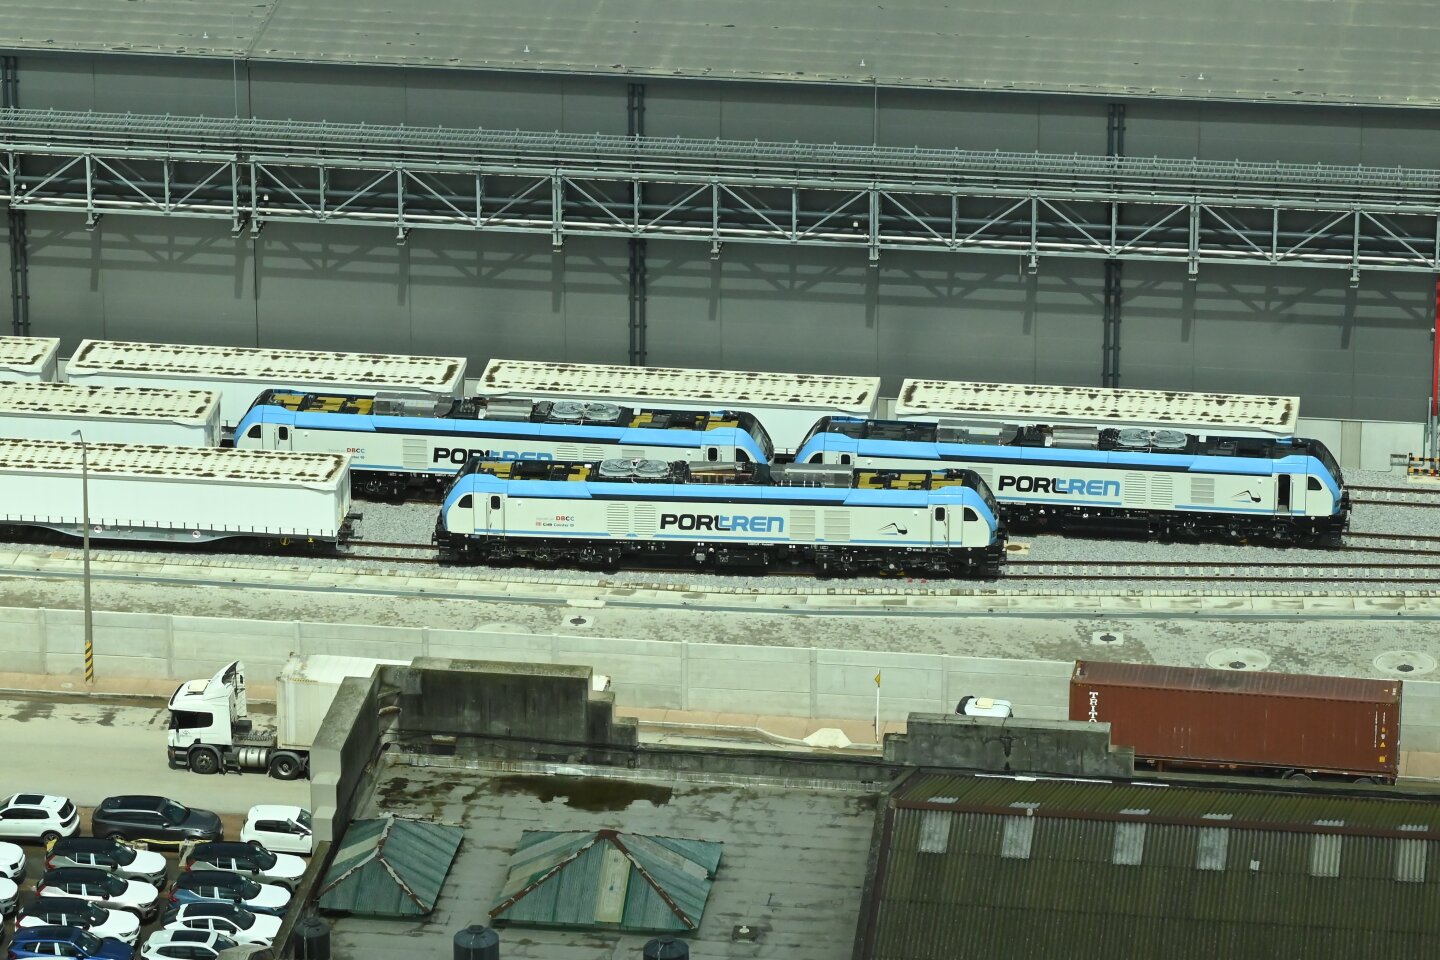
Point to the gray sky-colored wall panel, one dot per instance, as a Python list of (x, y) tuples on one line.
[(1401, 139), (683, 305), (66, 293), (1069, 321), (1157, 332), (496, 295), (807, 114), (1243, 132), (1156, 129), (676, 109), (179, 281), (966, 318), (922, 118), (496, 101), (338, 289), (802, 310), (6, 313), (212, 88), (280, 91)]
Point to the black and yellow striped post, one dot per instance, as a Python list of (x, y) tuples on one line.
[(85, 520)]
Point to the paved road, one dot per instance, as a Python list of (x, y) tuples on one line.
[(88, 750)]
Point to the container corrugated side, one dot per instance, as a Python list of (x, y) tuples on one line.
[(1184, 715)]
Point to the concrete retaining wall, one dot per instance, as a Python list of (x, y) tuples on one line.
[(724, 678)]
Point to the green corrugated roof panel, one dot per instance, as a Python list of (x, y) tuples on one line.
[(1176, 801), (390, 867), (953, 882), (607, 879)]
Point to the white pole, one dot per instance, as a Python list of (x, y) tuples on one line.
[(877, 706)]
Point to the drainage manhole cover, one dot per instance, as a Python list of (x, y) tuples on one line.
[(1107, 638), (1238, 658), (577, 621), (1405, 663)]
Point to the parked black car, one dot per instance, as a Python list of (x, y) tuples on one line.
[(156, 820)]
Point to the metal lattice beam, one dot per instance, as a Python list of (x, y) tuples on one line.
[(871, 199)]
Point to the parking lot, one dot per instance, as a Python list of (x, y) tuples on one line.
[(88, 750)]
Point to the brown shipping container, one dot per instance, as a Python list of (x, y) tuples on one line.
[(1184, 716)]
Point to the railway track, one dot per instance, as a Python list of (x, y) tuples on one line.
[(382, 550), (1408, 496), (1150, 571)]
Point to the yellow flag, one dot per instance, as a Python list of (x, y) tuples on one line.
[(877, 679)]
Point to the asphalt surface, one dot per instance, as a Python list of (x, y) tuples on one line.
[(88, 750)]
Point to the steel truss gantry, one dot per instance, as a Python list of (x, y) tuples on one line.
[(872, 199)]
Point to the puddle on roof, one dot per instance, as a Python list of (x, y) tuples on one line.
[(593, 794)]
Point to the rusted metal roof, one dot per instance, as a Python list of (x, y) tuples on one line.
[(1002, 867), (1152, 676)]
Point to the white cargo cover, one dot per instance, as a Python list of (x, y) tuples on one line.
[(786, 404), (174, 493), (240, 374), (28, 358), (1230, 414), (305, 689), (104, 414)]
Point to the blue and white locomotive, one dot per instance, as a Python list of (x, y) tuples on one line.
[(400, 441), (940, 523), (1167, 482)]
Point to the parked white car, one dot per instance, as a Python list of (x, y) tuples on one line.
[(232, 920), (251, 859), (9, 897), (983, 707), (12, 862), (107, 889), (280, 829), (186, 945), (73, 912), (38, 816)]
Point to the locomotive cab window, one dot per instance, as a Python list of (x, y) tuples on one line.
[(254, 432), (939, 513), (465, 502), (495, 503), (1314, 484), (284, 433), (971, 516)]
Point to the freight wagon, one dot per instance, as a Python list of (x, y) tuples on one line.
[(786, 404), (28, 359), (174, 494), (240, 374), (149, 415), (400, 441), (1271, 724), (1230, 414)]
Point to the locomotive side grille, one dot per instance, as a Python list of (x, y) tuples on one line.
[(646, 519), (617, 519), (802, 525), (837, 526), (413, 451), (1202, 489), (567, 451), (1162, 491), (1136, 490), (632, 453), (594, 453)]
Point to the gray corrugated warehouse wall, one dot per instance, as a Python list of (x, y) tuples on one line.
[(1349, 352)]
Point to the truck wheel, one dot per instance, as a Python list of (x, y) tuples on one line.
[(286, 766), (204, 760)]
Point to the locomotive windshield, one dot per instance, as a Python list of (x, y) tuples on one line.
[(750, 425), (1322, 453)]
